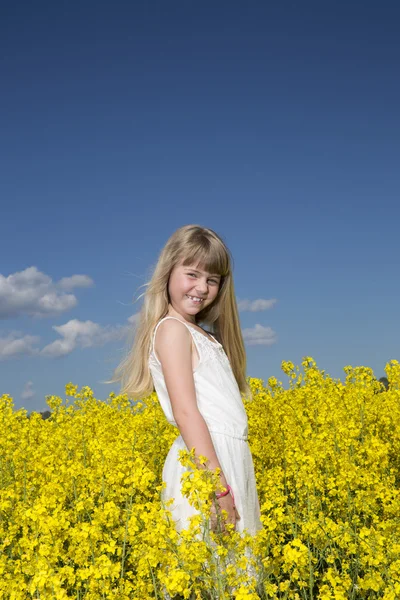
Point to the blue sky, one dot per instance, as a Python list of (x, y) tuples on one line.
[(275, 124)]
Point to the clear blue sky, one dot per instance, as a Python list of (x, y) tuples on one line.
[(275, 124)]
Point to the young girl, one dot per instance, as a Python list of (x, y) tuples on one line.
[(198, 379)]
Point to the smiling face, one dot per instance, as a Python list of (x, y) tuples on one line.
[(191, 289)]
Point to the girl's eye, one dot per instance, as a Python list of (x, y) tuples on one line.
[(212, 280)]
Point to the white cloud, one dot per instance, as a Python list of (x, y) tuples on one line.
[(256, 305), (33, 293), (68, 283), (259, 336), (134, 319), (28, 391), (81, 334), (15, 344), (73, 334)]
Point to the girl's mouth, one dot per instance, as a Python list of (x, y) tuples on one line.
[(195, 299)]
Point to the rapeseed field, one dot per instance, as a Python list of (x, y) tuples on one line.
[(81, 516)]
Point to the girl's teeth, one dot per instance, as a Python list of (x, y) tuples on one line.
[(194, 299)]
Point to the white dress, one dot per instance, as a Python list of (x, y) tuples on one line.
[(220, 403)]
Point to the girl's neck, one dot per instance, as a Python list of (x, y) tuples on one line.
[(188, 319)]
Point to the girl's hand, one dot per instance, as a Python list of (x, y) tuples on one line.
[(224, 503)]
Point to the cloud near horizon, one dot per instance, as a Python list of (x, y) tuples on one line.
[(256, 305), (33, 293), (15, 344), (75, 281), (81, 334), (74, 334), (259, 336), (28, 391)]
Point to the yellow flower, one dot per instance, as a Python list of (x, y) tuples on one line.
[(82, 516)]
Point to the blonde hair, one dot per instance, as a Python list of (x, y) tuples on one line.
[(189, 245)]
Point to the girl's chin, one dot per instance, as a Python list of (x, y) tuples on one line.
[(192, 309)]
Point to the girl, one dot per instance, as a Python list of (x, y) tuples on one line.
[(198, 379)]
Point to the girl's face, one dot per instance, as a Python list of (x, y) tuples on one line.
[(191, 289)]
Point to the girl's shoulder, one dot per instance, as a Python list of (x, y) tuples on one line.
[(170, 318), (171, 325), (195, 330)]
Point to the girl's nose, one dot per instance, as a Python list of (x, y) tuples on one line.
[(202, 287)]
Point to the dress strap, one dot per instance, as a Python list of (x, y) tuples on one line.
[(215, 340)]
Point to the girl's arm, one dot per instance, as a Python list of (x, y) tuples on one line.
[(173, 348)]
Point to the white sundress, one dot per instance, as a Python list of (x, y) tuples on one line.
[(220, 403)]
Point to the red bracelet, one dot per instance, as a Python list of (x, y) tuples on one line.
[(228, 490)]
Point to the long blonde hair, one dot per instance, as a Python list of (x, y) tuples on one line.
[(189, 245)]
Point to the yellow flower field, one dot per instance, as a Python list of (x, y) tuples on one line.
[(80, 497)]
